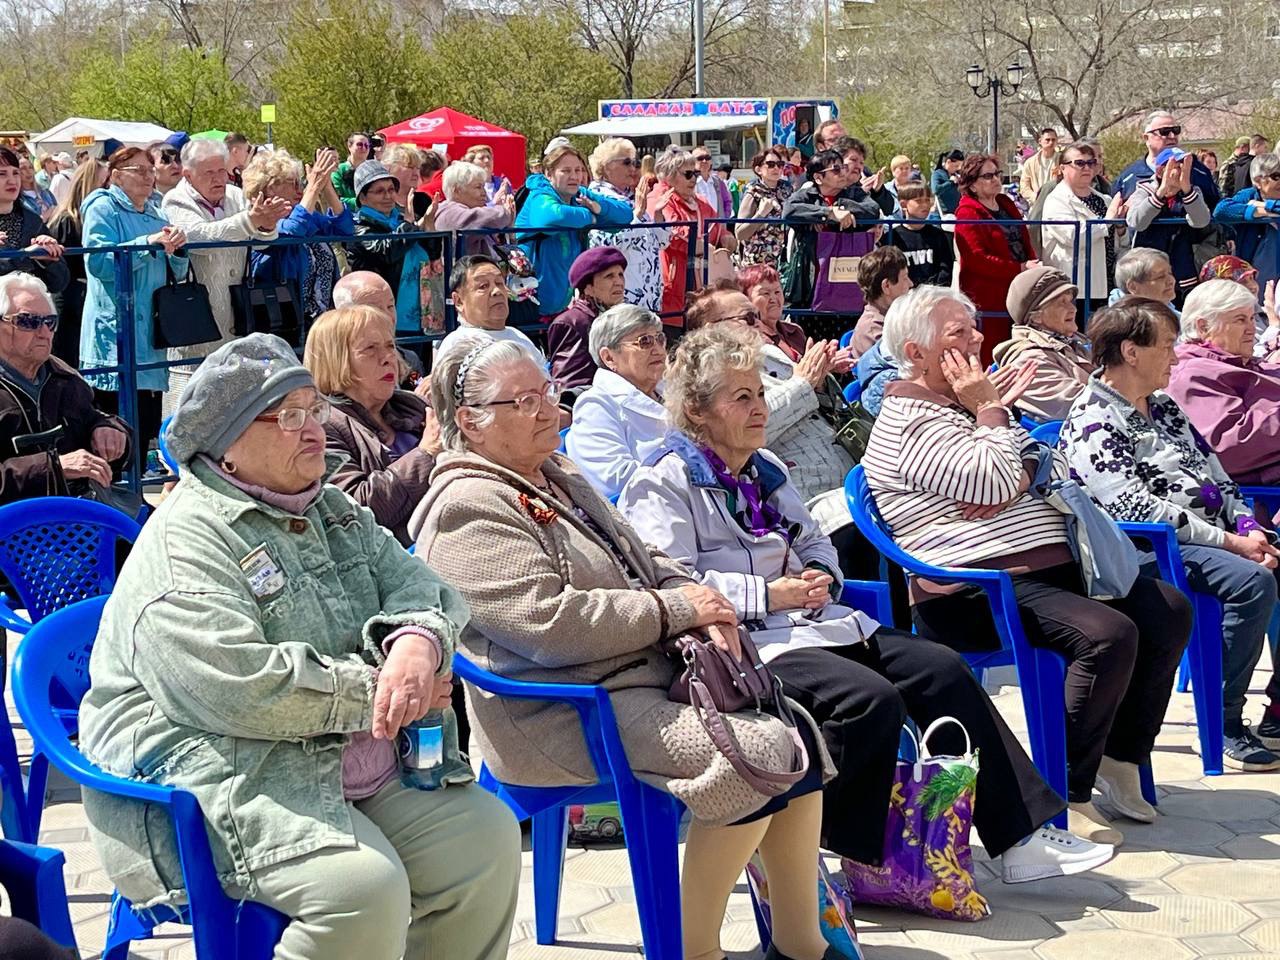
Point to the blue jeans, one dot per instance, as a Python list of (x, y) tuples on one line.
[(1247, 592)]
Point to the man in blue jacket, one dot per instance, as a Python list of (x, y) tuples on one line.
[(1170, 233), (1255, 214)]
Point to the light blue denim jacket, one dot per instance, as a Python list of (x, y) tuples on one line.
[(245, 698)]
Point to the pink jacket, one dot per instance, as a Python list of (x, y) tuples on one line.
[(1235, 405)]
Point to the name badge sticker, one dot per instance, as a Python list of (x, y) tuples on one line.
[(265, 578)]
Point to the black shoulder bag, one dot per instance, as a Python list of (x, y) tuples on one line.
[(180, 311), (266, 306)]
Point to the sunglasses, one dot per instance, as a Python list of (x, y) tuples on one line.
[(701, 158), (689, 174), (628, 161), (1174, 131), (994, 175), (750, 318), (33, 321), (361, 145), (169, 156), (835, 168), (647, 341), (1083, 164), (773, 164), (1274, 176)]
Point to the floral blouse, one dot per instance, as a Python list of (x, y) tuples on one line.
[(641, 246), (1151, 470)]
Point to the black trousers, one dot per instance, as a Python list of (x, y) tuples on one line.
[(860, 696), (1121, 657)]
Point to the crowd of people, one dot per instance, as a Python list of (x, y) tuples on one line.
[(269, 633)]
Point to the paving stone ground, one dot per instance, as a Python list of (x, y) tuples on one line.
[(1203, 881)]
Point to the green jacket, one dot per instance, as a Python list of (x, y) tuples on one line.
[(245, 697), (344, 182)]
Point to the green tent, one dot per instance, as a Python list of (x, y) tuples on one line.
[(210, 135)]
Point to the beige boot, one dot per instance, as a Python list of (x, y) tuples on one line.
[(1121, 789), (1084, 820)]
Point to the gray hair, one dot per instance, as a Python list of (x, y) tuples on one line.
[(608, 150), (197, 151), (481, 381), (1262, 165), (910, 320), (671, 161), (1136, 266), (1155, 114), (11, 283), (697, 370), (1209, 302), (458, 175), (608, 329)]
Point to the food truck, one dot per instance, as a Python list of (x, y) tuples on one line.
[(732, 128)]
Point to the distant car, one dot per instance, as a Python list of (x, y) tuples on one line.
[(592, 820)]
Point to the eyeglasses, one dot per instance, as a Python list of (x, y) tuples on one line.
[(647, 341), (386, 191), (750, 318), (33, 321), (689, 174), (1083, 164), (1274, 176), (360, 145), (699, 158), (170, 156), (1174, 131), (529, 403), (145, 171), (834, 168), (628, 161), (293, 419), (993, 175), (773, 164)]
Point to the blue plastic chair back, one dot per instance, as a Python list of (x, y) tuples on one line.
[(846, 338), (1047, 432), (852, 391), (162, 444), (564, 440), (53, 660)]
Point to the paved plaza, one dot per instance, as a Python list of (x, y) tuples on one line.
[(1203, 881)]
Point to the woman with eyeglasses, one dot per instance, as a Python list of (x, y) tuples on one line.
[(1075, 200), (128, 213), (992, 251), (616, 173), (168, 163), (22, 229), (561, 589), (677, 199), (764, 197), (264, 645)]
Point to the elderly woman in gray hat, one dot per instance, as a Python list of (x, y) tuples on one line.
[(1042, 308), (619, 420), (264, 644)]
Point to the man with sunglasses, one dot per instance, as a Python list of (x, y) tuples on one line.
[(1177, 225), (168, 163), (39, 392), (344, 178)]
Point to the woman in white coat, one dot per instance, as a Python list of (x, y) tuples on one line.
[(619, 420), (1064, 245), (717, 502)]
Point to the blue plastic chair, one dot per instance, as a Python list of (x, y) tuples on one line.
[(852, 391), (650, 818), (53, 661), (32, 877), (564, 439), (846, 338), (1046, 432), (162, 444), (55, 551)]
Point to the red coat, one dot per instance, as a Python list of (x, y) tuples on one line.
[(987, 266)]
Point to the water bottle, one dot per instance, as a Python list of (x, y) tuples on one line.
[(153, 468), (421, 746)]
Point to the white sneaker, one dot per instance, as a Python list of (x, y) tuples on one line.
[(1050, 852)]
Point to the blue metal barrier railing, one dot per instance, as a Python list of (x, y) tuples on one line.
[(127, 367)]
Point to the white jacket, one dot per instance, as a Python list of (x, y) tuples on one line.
[(677, 506), (615, 429), (217, 268), (1064, 244)]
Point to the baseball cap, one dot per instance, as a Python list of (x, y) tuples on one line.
[(1169, 153)]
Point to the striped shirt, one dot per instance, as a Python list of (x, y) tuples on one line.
[(928, 458)]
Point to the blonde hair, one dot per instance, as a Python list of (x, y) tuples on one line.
[(402, 155), (698, 367), (83, 182), (900, 160), (268, 167), (608, 151), (328, 351)]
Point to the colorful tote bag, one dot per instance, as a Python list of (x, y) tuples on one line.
[(835, 287), (928, 866), (835, 907)]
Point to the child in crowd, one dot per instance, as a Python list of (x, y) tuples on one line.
[(930, 255)]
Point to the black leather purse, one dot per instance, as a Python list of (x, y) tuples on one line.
[(180, 312), (266, 306)]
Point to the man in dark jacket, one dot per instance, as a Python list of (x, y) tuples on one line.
[(1171, 232), (598, 279), (39, 392), (824, 202)]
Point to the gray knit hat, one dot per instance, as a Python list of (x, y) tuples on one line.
[(236, 382), (369, 172)]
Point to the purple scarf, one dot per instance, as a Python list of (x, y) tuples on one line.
[(760, 518)]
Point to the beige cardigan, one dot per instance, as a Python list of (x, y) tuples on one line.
[(1061, 371), (551, 603)]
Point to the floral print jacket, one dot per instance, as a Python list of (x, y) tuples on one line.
[(1151, 470)]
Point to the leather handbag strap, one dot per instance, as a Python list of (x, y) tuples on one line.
[(768, 782)]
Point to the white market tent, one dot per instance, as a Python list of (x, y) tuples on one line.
[(640, 126), (81, 133)]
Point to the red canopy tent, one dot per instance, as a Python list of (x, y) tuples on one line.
[(455, 132)]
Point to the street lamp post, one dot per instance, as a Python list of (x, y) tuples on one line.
[(984, 85)]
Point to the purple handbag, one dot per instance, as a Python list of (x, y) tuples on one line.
[(714, 683), (835, 288)]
